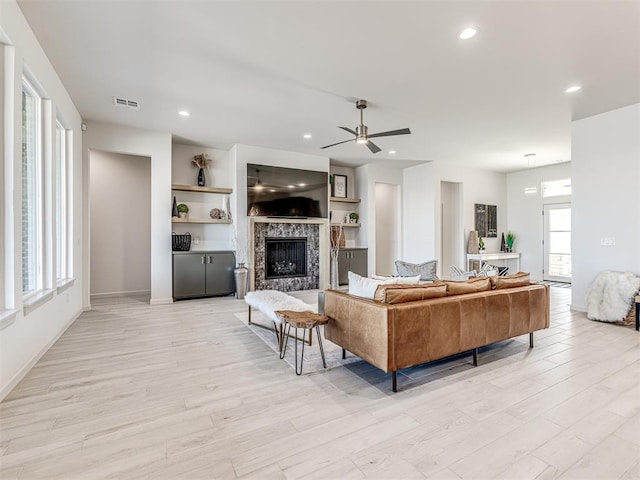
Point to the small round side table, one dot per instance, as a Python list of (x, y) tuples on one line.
[(304, 320)]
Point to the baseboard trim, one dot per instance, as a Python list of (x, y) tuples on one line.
[(160, 301), (120, 294), (29, 365), (578, 308)]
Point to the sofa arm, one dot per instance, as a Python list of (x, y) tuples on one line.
[(361, 326)]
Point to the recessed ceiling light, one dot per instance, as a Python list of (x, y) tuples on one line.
[(307, 136), (392, 152), (272, 190), (468, 33), (184, 113), (573, 88), (290, 186), (302, 184)]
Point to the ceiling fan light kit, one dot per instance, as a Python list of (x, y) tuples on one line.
[(362, 132)]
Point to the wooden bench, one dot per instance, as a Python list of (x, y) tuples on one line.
[(270, 301)]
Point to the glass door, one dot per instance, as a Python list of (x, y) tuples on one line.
[(557, 242)]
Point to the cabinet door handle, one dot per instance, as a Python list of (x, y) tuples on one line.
[(209, 259), (202, 259)]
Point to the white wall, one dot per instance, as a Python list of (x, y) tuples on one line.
[(605, 173), (120, 223), (157, 146), (25, 338), (422, 220), (219, 174), (388, 221), (524, 213), (452, 231), (367, 176), (418, 207)]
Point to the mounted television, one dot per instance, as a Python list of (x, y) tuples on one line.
[(286, 192)]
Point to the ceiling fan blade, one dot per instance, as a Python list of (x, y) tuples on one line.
[(334, 144), (402, 131), (348, 130), (372, 146)]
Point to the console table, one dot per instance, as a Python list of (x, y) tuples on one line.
[(487, 257)]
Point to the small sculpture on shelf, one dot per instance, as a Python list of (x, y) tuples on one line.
[(201, 161)]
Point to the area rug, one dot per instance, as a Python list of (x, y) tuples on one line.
[(312, 358)]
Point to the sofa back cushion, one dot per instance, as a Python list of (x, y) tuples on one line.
[(393, 294), (387, 279), (426, 270), (520, 279), (476, 284)]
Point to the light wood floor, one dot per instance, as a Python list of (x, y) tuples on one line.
[(186, 391)]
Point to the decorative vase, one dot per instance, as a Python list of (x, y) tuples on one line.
[(201, 181), (334, 273), (174, 208), (240, 274)]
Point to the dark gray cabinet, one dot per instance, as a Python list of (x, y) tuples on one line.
[(203, 274), (351, 260)]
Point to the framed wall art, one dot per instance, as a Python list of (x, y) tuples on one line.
[(340, 186)]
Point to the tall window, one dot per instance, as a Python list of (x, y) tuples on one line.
[(31, 189), (61, 212)]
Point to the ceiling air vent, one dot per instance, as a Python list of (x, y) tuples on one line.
[(123, 102)]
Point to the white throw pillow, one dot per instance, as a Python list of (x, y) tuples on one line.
[(362, 286)]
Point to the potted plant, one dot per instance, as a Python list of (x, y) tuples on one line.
[(510, 239), (183, 210), (353, 217), (480, 242)]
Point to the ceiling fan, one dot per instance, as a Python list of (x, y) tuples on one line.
[(361, 130)]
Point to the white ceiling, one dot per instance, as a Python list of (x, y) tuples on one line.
[(264, 73)]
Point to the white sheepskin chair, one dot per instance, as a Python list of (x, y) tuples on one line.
[(610, 295)]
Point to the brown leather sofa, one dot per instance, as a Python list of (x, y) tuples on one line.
[(411, 325)]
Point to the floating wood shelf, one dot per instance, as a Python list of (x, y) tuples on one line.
[(199, 220), (346, 225), (344, 200), (192, 188)]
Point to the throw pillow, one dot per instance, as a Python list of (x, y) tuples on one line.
[(393, 294), (362, 286), (426, 270), (476, 284), (520, 279), (397, 280)]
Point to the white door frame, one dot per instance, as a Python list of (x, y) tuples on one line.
[(546, 242)]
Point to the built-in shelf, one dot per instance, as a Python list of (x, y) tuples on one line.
[(346, 225), (344, 200), (199, 220), (192, 188)]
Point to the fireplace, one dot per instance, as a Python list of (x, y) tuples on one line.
[(288, 255), (285, 257)]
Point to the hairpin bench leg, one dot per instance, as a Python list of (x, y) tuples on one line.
[(475, 357), (531, 340), (394, 381)]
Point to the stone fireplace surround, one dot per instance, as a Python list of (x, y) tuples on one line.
[(315, 230)]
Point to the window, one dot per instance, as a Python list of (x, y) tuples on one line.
[(62, 156), (32, 220), (556, 188)]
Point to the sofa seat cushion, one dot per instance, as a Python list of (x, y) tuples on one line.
[(393, 294), (426, 270), (472, 285), (520, 279)]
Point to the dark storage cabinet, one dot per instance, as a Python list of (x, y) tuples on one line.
[(203, 274), (354, 260)]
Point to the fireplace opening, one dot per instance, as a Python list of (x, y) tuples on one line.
[(286, 257)]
